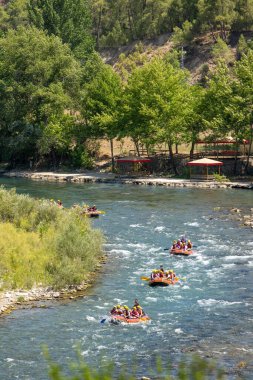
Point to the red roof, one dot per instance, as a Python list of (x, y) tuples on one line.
[(133, 159)]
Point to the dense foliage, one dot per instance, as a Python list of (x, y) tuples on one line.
[(41, 244), (120, 21), (57, 95)]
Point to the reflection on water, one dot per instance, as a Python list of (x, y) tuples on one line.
[(211, 312)]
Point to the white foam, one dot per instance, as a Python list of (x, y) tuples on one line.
[(213, 302), (123, 252), (151, 299), (192, 224), (137, 245), (179, 331), (159, 228), (238, 257), (9, 360), (136, 226), (89, 318), (84, 353)]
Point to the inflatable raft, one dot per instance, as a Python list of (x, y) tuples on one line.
[(117, 319), (93, 214), (162, 281), (181, 252)]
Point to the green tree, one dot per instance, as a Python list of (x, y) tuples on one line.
[(217, 15), (101, 105), (244, 15), (244, 80), (39, 79), (225, 107), (68, 19), (153, 104)]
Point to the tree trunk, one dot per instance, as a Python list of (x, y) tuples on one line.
[(136, 143), (53, 156), (174, 166), (192, 150), (249, 150), (236, 158), (212, 33), (112, 156), (176, 148)]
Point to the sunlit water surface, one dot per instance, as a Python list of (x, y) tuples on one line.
[(210, 313)]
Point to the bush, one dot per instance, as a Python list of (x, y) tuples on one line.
[(42, 244), (220, 178)]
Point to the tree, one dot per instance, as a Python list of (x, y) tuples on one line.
[(101, 105), (244, 15), (39, 79), (217, 15), (244, 76), (68, 19), (225, 107), (156, 104)]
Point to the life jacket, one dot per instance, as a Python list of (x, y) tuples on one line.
[(189, 245)]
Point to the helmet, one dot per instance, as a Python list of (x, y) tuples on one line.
[(189, 241), (126, 307), (139, 307), (134, 307), (118, 306)]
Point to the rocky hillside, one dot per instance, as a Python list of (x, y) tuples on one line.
[(198, 56)]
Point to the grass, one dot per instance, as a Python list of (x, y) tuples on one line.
[(41, 244)]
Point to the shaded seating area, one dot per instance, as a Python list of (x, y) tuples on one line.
[(204, 168), (132, 165)]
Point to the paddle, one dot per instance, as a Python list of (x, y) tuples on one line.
[(105, 319), (145, 278)]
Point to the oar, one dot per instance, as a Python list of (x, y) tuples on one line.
[(145, 278), (105, 319)]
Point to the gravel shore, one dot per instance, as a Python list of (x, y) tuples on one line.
[(94, 177)]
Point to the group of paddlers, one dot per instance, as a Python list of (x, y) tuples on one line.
[(182, 244), (161, 273), (124, 311), (58, 203)]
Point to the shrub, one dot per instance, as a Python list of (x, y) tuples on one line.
[(220, 178), (42, 244)]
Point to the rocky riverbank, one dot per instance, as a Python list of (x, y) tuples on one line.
[(14, 299), (95, 177)]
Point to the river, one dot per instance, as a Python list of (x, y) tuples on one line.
[(210, 313)]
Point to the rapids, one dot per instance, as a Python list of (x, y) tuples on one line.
[(210, 313)]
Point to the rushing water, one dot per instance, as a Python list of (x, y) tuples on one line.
[(210, 313)]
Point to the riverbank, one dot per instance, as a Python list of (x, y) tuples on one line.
[(94, 177), (19, 299), (52, 252)]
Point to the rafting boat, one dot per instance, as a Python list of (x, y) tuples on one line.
[(93, 214), (117, 319), (181, 252), (162, 281)]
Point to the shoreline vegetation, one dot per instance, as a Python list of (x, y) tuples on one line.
[(46, 252)]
